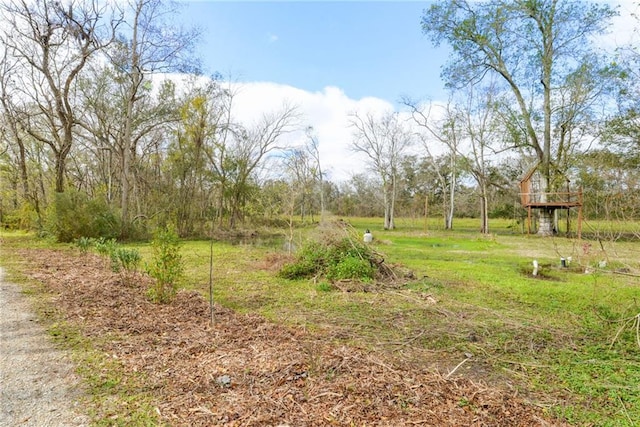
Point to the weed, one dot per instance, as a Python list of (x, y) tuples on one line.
[(84, 244), (125, 261), (463, 402), (324, 287)]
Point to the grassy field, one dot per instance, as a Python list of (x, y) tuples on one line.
[(567, 338)]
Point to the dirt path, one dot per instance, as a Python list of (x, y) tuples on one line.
[(38, 385)]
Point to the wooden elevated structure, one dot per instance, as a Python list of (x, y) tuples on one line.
[(533, 196)]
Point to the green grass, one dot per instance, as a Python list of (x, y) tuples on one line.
[(558, 337), (560, 331), (552, 335)]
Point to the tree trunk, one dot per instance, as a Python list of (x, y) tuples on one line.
[(545, 222), (545, 215), (128, 146), (59, 173), (391, 220), (448, 221), (386, 211), (392, 207), (321, 195), (452, 193), (484, 211), (388, 207)]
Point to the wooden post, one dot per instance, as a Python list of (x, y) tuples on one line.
[(580, 214)]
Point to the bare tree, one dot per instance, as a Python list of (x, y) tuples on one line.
[(314, 151), (481, 131), (249, 150), (238, 151), (443, 128), (383, 140), (12, 132), (52, 43), (299, 180), (299, 168)]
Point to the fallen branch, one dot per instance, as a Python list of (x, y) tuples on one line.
[(407, 342), (456, 368), (635, 324)]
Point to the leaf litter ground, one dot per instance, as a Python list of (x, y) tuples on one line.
[(246, 371)]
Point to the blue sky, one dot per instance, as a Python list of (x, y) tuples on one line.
[(366, 48), (329, 58)]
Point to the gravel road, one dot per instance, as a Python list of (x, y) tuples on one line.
[(38, 386)]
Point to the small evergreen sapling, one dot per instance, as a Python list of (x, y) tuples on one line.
[(166, 267)]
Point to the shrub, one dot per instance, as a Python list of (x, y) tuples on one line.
[(311, 260), (105, 246), (335, 259), (24, 217), (84, 244), (73, 215), (298, 270), (125, 261), (166, 266), (324, 287), (351, 267), (346, 248)]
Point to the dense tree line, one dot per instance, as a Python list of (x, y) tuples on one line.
[(108, 128)]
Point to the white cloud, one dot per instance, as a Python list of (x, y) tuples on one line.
[(327, 111), (622, 30)]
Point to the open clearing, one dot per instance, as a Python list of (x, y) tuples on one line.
[(245, 370), (471, 339)]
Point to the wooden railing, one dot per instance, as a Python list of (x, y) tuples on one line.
[(561, 199)]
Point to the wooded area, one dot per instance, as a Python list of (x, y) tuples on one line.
[(108, 128)]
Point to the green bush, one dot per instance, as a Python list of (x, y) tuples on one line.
[(346, 248), (73, 215), (298, 270), (311, 260), (324, 287), (338, 259), (166, 267), (350, 267), (24, 217), (123, 258)]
